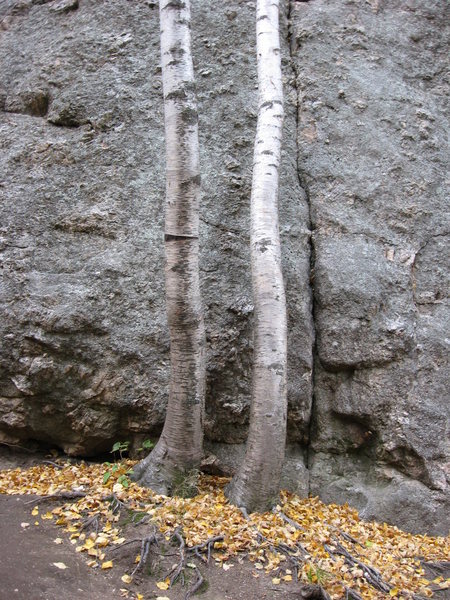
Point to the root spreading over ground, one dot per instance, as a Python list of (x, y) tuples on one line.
[(302, 540)]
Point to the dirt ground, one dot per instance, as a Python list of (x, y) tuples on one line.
[(27, 567), (28, 555)]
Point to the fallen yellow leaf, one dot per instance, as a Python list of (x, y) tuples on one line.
[(60, 565), (163, 585), (126, 579), (102, 541), (107, 565), (209, 514), (119, 541)]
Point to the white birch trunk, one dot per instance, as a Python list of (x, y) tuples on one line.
[(256, 484), (180, 446)]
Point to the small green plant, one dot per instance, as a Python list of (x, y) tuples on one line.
[(120, 447), (185, 483), (114, 468), (146, 445), (111, 470), (123, 480)]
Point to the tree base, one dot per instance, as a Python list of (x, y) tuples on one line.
[(162, 475), (153, 474), (247, 494)]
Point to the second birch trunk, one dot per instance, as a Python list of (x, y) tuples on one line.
[(256, 484)]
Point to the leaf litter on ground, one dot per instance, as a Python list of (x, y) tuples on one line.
[(302, 539)]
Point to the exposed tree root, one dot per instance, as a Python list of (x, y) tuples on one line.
[(145, 519), (93, 521), (115, 504), (373, 576), (150, 544), (196, 586), (58, 496), (127, 543), (184, 552), (288, 520), (179, 568), (209, 545), (351, 594), (295, 558), (294, 562), (377, 557), (145, 549), (370, 574), (244, 513)]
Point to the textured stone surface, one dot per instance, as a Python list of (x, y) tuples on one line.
[(84, 355), (372, 158), (85, 358)]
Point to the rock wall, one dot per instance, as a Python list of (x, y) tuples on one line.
[(372, 158), (84, 358)]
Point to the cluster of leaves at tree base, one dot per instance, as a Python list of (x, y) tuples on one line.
[(320, 537)]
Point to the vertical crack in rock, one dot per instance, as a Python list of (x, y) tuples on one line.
[(304, 186)]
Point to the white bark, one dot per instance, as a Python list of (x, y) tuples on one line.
[(180, 446), (256, 485)]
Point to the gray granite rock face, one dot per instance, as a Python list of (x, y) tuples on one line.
[(84, 354), (373, 159)]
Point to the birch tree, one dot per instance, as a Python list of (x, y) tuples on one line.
[(180, 446), (256, 484)]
